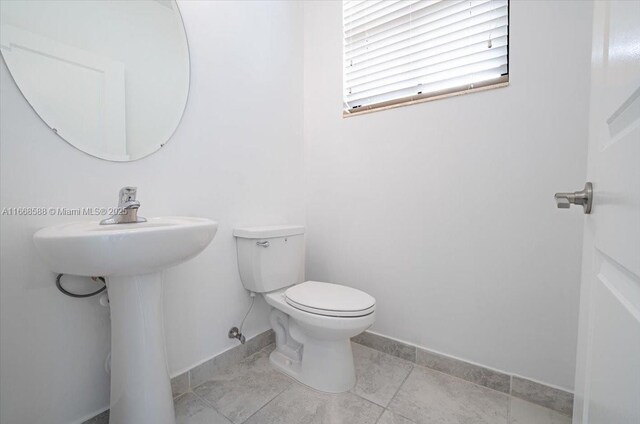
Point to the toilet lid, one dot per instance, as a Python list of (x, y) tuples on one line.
[(330, 299)]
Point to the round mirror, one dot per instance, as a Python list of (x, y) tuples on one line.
[(110, 77)]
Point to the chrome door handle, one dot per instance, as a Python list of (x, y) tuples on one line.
[(583, 197), (263, 243)]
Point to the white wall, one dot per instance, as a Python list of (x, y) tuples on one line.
[(236, 158), (444, 211)]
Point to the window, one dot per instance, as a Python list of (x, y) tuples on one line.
[(403, 52)]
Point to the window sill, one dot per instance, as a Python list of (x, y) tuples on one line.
[(501, 82)]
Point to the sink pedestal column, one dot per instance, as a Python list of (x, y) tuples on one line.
[(140, 384)]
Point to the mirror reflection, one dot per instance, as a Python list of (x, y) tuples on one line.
[(109, 77)]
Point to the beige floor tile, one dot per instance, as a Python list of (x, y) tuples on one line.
[(190, 409), (378, 375), (523, 412), (390, 417), (299, 404), (243, 389), (430, 397)]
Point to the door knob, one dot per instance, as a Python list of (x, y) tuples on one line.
[(583, 197)]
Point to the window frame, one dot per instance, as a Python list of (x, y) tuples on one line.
[(502, 81)]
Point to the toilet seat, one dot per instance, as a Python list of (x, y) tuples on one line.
[(328, 299)]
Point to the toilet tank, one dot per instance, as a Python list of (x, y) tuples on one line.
[(270, 257)]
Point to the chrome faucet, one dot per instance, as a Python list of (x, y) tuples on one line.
[(127, 208)]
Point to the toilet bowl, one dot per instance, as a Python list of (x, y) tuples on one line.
[(314, 346), (313, 321)]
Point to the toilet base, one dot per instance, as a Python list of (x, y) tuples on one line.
[(326, 365), (314, 349)]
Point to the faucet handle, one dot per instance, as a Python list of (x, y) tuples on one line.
[(127, 194), (128, 208)]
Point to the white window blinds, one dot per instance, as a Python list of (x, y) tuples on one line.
[(404, 51)]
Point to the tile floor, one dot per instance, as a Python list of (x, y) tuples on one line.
[(389, 390)]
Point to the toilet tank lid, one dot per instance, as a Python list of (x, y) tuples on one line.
[(269, 231)]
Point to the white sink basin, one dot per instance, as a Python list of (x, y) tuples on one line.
[(131, 257), (91, 249)]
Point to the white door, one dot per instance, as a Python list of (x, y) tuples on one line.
[(608, 370)]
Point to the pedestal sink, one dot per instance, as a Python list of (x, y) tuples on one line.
[(131, 257)]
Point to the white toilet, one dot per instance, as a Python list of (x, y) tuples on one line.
[(313, 321)]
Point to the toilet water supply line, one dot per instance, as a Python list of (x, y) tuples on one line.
[(236, 333)]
